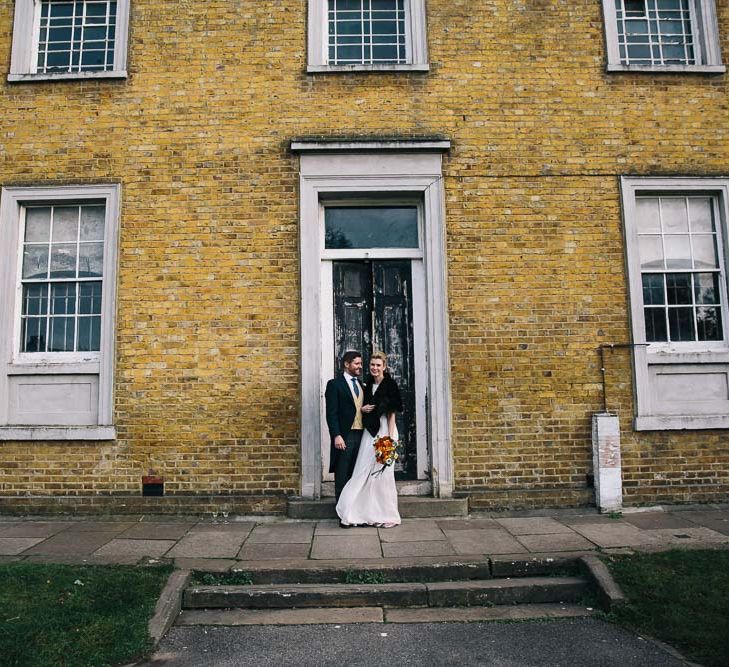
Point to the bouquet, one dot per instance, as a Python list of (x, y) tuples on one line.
[(385, 452)]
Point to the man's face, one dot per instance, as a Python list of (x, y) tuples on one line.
[(354, 367)]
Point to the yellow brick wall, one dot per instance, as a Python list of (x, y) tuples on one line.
[(206, 387)]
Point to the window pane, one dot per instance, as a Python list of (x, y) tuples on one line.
[(63, 299), (678, 288), (38, 224), (63, 261), (91, 260), (702, 215), (61, 334), (35, 262), (92, 223), (651, 252), (647, 215), (681, 324), (708, 323), (33, 334), (706, 288), (371, 227), (675, 215), (678, 252), (89, 334), (89, 298), (35, 300), (705, 256), (655, 325), (65, 223), (653, 289)]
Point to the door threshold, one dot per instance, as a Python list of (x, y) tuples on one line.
[(408, 487)]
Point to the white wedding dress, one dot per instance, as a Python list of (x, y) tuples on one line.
[(366, 498)]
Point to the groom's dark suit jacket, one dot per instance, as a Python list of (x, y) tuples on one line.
[(340, 412)]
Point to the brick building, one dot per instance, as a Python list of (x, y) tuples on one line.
[(524, 202)]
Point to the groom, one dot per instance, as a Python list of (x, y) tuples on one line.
[(344, 396)]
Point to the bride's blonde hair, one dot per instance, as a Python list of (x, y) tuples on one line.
[(382, 357)]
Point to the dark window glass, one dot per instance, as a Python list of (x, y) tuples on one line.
[(681, 324), (678, 288), (655, 325), (371, 227)]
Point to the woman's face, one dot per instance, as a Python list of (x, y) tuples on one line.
[(377, 367)]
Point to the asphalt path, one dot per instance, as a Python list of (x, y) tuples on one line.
[(572, 642)]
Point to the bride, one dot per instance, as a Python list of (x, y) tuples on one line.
[(366, 498)]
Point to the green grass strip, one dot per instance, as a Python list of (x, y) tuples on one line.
[(679, 597), (76, 616)]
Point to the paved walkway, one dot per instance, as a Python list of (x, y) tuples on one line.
[(222, 543)]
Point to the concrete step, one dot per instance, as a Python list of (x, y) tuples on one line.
[(487, 592), (342, 615), (411, 507), (423, 569)]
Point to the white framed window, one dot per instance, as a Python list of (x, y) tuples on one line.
[(676, 249), (57, 304), (662, 35), (69, 39), (347, 35)]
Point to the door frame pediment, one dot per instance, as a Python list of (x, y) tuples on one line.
[(407, 168)]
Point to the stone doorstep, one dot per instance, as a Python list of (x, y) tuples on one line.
[(411, 507), (436, 594)]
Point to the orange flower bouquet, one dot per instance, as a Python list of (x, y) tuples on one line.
[(385, 452)]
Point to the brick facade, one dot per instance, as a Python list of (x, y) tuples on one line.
[(207, 342)]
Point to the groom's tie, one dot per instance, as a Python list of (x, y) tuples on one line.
[(355, 384)]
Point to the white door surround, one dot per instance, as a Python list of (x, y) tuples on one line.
[(363, 169)]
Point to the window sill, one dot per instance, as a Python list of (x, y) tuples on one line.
[(46, 433), (66, 76), (338, 69), (667, 69), (681, 422)]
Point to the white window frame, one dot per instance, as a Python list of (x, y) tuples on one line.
[(706, 40), (24, 53), (416, 48), (14, 363), (695, 357)]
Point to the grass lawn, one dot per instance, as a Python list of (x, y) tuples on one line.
[(679, 597), (67, 615)]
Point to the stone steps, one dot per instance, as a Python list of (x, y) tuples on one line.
[(411, 507), (487, 592), (496, 588)]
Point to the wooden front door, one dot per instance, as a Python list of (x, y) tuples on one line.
[(373, 311)]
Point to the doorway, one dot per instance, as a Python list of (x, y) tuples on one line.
[(373, 311)]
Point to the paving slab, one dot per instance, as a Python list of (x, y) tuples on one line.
[(205, 564), (333, 528), (467, 524), (657, 520), (484, 542), (281, 533), (234, 528), (412, 531), (74, 543), (138, 548), (13, 546), (264, 552), (579, 519), (208, 544), (10, 559), (156, 531), (407, 549), (533, 526), (618, 534), (94, 526), (34, 528), (718, 521), (233, 617), (500, 613), (686, 536), (555, 542), (350, 545)]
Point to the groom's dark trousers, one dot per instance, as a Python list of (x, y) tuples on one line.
[(346, 459)]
